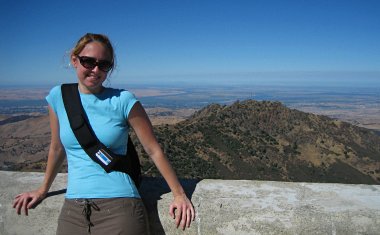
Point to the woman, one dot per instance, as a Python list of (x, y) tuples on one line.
[(96, 201)]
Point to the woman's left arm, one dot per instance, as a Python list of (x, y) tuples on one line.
[(181, 209)]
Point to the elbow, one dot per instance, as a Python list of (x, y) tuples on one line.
[(57, 150), (155, 152)]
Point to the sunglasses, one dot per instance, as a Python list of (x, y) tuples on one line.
[(91, 63)]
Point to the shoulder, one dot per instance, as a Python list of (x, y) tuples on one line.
[(125, 94), (123, 99), (55, 90), (120, 94), (54, 94), (54, 98)]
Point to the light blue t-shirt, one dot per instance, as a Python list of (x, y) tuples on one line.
[(107, 113)]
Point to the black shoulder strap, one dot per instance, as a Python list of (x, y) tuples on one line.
[(79, 123), (77, 117), (86, 137)]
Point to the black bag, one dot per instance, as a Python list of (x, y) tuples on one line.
[(95, 149)]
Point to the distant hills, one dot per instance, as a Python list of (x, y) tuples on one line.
[(268, 141), (24, 143), (245, 140)]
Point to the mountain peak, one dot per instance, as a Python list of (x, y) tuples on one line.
[(266, 140)]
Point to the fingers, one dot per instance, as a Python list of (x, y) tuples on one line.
[(182, 214), (32, 202), (178, 218), (171, 211), (176, 214), (183, 218), (188, 218), (192, 213), (22, 205), (18, 205), (14, 203), (25, 206), (23, 202), (16, 200), (182, 210)]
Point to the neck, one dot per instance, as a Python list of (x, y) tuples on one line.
[(88, 90)]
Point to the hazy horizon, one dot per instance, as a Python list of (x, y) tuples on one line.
[(297, 79)]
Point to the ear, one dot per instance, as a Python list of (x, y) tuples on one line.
[(74, 61)]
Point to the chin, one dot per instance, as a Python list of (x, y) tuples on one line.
[(94, 83)]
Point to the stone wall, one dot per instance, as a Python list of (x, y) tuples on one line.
[(223, 207)]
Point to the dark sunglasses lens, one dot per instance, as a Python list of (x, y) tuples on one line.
[(88, 62), (104, 65)]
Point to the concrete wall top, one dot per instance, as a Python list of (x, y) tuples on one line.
[(223, 207)]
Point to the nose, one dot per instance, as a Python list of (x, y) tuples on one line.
[(96, 69)]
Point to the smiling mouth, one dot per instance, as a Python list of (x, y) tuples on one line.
[(93, 77)]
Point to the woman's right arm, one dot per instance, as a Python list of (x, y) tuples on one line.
[(56, 155)]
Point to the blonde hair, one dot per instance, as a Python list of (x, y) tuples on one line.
[(91, 37)]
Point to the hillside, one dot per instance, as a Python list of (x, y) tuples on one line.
[(24, 143), (268, 141), (245, 140)]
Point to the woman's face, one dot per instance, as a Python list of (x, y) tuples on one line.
[(91, 80)]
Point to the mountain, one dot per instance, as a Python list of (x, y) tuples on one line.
[(24, 143), (244, 140), (268, 141)]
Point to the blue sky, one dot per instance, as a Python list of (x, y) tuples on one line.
[(198, 41)]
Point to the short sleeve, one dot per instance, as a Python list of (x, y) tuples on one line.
[(53, 97), (129, 100)]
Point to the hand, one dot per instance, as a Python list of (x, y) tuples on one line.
[(27, 200), (182, 210)]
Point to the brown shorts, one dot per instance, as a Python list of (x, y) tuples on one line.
[(103, 216)]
